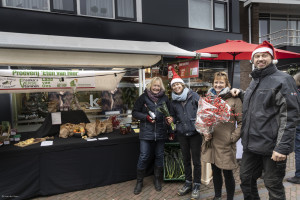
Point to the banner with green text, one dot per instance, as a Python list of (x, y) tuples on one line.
[(46, 79)]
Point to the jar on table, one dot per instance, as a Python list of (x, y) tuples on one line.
[(128, 128), (123, 129)]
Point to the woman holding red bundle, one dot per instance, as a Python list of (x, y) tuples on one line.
[(222, 151)]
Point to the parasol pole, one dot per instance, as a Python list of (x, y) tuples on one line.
[(232, 69)]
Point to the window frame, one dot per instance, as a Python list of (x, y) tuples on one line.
[(3, 4), (225, 3), (126, 18), (212, 22), (63, 11)]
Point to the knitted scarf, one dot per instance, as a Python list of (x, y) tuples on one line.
[(154, 97), (180, 97)]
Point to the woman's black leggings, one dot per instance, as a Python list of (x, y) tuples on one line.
[(218, 182)]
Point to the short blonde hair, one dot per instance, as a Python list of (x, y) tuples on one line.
[(224, 75), (297, 79), (153, 80)]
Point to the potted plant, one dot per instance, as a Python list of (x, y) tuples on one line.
[(129, 96)]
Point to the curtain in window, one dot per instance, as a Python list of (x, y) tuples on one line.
[(200, 14), (58, 4), (30, 4), (101, 8), (125, 8), (67, 5), (220, 16)]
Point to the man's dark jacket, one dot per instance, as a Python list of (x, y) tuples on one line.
[(270, 112), (151, 131)]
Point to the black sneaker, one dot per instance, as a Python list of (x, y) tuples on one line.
[(196, 192), (186, 188), (294, 179)]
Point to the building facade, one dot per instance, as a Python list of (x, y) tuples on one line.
[(277, 21), (190, 24)]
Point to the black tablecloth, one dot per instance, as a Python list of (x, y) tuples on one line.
[(74, 117), (70, 164)]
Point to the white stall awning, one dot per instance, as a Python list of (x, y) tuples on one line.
[(21, 49)]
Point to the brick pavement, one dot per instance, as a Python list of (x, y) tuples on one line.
[(124, 191)]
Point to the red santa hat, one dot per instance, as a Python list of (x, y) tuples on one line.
[(176, 78), (265, 47)]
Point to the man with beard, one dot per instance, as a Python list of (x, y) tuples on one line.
[(270, 114)]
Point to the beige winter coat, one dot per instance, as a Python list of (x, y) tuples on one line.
[(223, 143)]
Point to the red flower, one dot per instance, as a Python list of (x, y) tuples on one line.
[(211, 111)]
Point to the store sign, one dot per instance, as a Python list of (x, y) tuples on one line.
[(189, 69), (45, 79), (186, 69)]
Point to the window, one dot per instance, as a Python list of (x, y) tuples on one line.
[(119, 9), (125, 9), (208, 14), (263, 30), (280, 30), (99, 8), (200, 14), (298, 33), (113, 9), (28, 4), (64, 6), (220, 15)]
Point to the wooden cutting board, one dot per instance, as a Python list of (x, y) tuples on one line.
[(31, 141)]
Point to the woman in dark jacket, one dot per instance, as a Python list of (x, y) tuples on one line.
[(153, 131), (183, 110)]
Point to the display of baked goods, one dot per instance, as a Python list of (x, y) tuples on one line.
[(31, 141)]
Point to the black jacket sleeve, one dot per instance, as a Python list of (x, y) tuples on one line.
[(138, 112), (288, 101)]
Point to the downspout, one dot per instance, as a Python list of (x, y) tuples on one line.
[(250, 29), (249, 23)]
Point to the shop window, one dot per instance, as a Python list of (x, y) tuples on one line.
[(63, 6), (208, 14), (27, 4), (205, 79)]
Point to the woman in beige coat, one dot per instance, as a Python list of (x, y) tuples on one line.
[(222, 151)]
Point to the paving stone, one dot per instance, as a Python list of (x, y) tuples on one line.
[(124, 191)]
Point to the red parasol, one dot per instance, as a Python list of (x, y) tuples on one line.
[(240, 50)]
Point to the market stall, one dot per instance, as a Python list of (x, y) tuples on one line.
[(69, 164)]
